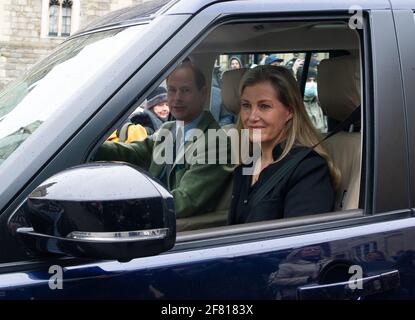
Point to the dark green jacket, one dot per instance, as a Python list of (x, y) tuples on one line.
[(196, 188)]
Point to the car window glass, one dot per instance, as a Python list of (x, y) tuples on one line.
[(34, 98)]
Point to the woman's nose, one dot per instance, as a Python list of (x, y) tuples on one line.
[(254, 115)]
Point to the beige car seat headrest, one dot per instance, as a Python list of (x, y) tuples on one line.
[(230, 89), (339, 86)]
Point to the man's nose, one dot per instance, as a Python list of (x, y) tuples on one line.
[(178, 95), (173, 96)]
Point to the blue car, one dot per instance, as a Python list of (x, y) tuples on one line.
[(74, 228)]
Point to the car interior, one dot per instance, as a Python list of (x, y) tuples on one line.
[(339, 91)]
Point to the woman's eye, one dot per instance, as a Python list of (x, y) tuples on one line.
[(264, 106), (245, 105)]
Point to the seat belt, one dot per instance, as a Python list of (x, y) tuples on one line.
[(286, 168)]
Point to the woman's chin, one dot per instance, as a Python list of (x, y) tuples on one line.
[(256, 136)]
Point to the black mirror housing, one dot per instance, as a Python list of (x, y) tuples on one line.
[(102, 210)]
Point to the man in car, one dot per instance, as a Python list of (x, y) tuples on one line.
[(194, 186)]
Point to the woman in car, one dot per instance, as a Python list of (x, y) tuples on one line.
[(292, 178)]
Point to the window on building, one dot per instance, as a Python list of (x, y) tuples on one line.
[(66, 17), (53, 17), (60, 18)]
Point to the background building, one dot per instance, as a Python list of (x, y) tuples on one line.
[(30, 29)]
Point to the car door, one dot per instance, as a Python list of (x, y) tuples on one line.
[(404, 19), (405, 27), (349, 254)]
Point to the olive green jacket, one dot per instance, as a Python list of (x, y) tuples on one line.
[(195, 187)]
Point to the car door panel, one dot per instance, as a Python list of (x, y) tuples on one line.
[(266, 269)]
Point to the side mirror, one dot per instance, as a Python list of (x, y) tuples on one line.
[(102, 210)]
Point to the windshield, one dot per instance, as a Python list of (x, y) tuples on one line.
[(31, 100), (138, 11)]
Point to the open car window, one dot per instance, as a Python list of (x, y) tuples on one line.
[(313, 44)]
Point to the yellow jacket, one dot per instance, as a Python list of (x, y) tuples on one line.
[(129, 132)]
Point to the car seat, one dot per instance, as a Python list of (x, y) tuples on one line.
[(230, 93), (339, 94)]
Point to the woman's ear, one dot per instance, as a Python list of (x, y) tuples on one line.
[(290, 114)]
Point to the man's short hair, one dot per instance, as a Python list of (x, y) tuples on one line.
[(198, 75)]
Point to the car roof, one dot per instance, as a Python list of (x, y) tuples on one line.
[(148, 10)]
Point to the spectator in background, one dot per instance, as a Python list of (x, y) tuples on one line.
[(294, 64), (145, 122), (235, 63), (291, 62), (156, 111), (310, 99), (157, 103), (314, 61), (273, 60)]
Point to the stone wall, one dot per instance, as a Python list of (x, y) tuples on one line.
[(21, 44), (92, 9)]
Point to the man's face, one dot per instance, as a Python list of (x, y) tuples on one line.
[(184, 97)]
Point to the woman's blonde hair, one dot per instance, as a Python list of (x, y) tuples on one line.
[(299, 130)]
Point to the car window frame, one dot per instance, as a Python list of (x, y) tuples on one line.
[(352, 217), (404, 20)]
